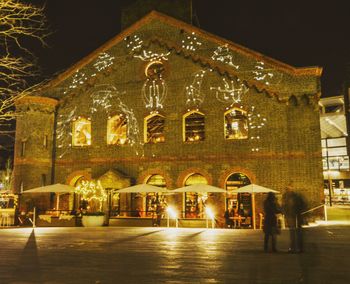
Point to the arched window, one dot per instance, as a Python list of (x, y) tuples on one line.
[(240, 203), (154, 199), (117, 130), (236, 124), (194, 201), (81, 132), (193, 126), (154, 128)]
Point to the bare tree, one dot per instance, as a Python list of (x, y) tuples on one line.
[(19, 22)]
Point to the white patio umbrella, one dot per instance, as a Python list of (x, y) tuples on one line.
[(198, 187), (142, 188), (53, 188), (252, 189), (56, 188)]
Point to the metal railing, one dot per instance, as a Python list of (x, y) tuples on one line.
[(317, 207)]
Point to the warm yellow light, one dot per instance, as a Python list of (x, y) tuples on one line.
[(209, 213), (171, 212)]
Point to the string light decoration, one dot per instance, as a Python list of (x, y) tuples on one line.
[(64, 131), (223, 54), (191, 42), (78, 79), (194, 96), (264, 75), (101, 97), (104, 60), (134, 43), (93, 193), (138, 50), (154, 90), (154, 93), (231, 92), (107, 98), (256, 123), (148, 55)]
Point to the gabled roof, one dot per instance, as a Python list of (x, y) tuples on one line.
[(308, 71)]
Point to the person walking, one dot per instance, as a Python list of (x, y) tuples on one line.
[(270, 221), (293, 205)]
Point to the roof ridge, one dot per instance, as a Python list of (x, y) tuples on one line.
[(315, 71)]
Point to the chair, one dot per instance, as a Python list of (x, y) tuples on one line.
[(5, 219), (261, 220)]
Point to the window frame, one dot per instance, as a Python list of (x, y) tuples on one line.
[(122, 116), (145, 127), (184, 117), (243, 111), (74, 122)]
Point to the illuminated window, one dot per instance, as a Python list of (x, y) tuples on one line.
[(193, 123), (154, 128), (117, 130), (236, 124), (194, 201), (81, 133), (154, 199), (240, 203)]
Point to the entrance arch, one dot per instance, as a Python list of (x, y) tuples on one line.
[(194, 201), (239, 203), (152, 199)]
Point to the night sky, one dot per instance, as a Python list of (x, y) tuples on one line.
[(299, 33)]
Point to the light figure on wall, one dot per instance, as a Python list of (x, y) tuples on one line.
[(106, 98), (194, 96), (223, 54), (265, 75), (136, 47), (255, 123), (103, 61), (231, 92), (191, 42), (154, 90), (64, 131)]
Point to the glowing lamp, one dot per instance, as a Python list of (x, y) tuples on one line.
[(171, 212), (209, 213)]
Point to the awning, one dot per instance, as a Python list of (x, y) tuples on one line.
[(53, 188), (253, 188), (142, 188), (200, 188)]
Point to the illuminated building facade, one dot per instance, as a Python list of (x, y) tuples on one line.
[(169, 104)]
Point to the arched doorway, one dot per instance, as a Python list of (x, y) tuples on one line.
[(153, 199), (194, 201), (241, 202)]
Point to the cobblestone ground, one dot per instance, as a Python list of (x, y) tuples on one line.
[(161, 255)]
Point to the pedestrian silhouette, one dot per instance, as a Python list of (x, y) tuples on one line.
[(271, 229), (293, 206)]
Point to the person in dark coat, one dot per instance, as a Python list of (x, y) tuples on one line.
[(270, 221), (293, 206)]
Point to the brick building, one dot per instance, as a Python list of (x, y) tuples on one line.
[(169, 104)]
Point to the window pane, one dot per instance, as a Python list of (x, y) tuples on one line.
[(236, 124), (155, 129), (340, 151), (194, 127), (81, 132), (335, 142), (117, 130)]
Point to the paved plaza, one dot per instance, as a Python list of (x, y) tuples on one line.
[(161, 255)]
